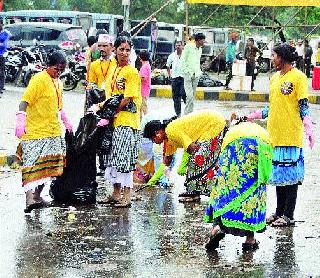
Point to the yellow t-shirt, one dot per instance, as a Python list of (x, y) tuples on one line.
[(244, 130), (194, 127), (100, 70), (44, 98), (318, 56), (132, 90), (284, 122)]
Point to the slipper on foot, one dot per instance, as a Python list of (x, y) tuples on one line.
[(109, 200), (282, 221), (250, 247), (272, 218)]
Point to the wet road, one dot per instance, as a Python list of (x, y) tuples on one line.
[(156, 237)]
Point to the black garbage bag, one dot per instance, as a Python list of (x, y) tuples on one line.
[(94, 95), (108, 111), (78, 182), (159, 80), (206, 81)]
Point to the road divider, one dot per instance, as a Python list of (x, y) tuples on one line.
[(212, 93)]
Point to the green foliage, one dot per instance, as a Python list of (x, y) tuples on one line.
[(175, 12)]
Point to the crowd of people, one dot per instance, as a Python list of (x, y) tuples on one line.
[(230, 160)]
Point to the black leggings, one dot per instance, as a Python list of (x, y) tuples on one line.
[(286, 200)]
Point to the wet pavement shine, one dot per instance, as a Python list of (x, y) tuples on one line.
[(157, 236)]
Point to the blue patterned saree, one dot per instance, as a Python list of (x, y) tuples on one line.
[(238, 198)]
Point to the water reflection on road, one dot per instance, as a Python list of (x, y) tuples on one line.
[(156, 237)]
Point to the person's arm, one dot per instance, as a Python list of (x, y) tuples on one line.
[(23, 106), (258, 114), (307, 121), (167, 160), (184, 60), (21, 119), (92, 78), (169, 64), (123, 103)]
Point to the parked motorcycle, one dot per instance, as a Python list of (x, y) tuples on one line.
[(75, 72), (36, 62), (13, 65)]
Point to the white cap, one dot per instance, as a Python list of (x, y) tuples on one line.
[(105, 38)]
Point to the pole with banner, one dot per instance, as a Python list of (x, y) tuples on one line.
[(126, 13)]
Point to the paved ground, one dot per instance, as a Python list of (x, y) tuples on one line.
[(156, 237)]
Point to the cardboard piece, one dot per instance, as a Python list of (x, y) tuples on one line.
[(239, 68), (241, 83)]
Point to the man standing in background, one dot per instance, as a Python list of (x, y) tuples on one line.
[(230, 57), (300, 52), (175, 74), (250, 54), (190, 65), (4, 41), (307, 57)]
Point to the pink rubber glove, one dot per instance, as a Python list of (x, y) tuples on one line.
[(308, 130), (21, 119), (66, 121), (256, 115), (103, 122)]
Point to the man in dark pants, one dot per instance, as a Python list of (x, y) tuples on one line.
[(307, 57), (250, 54), (4, 40), (175, 74), (230, 57)]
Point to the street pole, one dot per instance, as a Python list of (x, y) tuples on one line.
[(126, 13)]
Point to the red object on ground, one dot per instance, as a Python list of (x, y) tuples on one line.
[(1, 5), (316, 78)]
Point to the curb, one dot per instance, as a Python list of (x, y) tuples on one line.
[(207, 93)]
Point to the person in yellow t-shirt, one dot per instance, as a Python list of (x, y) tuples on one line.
[(318, 55), (288, 117), (121, 161), (200, 134), (99, 72), (38, 124)]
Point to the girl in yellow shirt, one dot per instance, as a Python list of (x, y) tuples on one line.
[(288, 117), (38, 124), (121, 161), (200, 134)]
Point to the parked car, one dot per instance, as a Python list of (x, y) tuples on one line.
[(50, 34)]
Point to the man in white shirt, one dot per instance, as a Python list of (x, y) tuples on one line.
[(190, 65), (300, 52), (175, 74)]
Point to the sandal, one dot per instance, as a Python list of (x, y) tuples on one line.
[(272, 218), (122, 204), (283, 221), (250, 247), (190, 199), (109, 200), (213, 242), (189, 194)]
